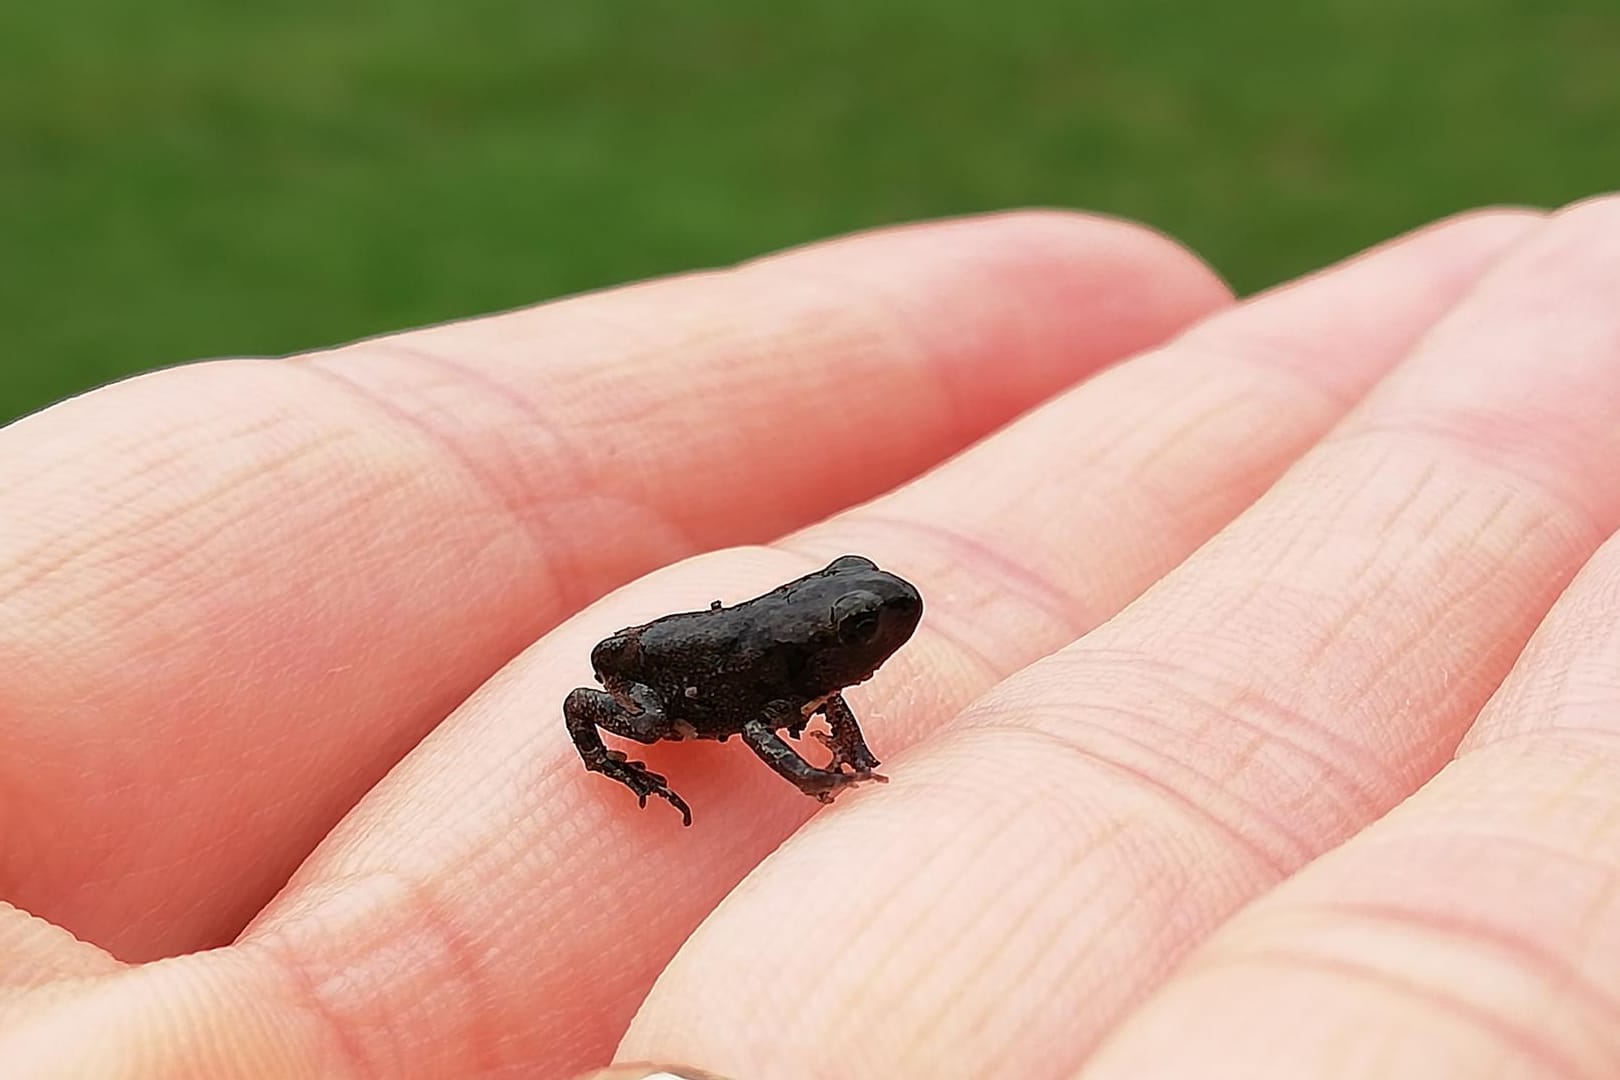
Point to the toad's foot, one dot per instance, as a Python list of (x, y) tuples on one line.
[(826, 787), (643, 781), (823, 785), (851, 752)]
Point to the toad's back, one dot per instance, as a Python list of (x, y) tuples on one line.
[(716, 670)]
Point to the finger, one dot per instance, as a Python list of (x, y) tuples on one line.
[(1026, 877), (190, 1017), (231, 595), (1473, 931), (34, 953), (184, 1017), (493, 898), (40, 964), (644, 1071)]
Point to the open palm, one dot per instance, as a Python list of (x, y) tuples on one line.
[(1195, 763)]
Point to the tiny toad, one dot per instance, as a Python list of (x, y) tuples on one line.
[(763, 666)]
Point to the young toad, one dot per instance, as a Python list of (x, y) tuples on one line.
[(766, 665)]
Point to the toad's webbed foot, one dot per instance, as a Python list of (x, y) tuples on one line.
[(586, 710)]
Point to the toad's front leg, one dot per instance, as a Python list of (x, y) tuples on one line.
[(845, 741), (822, 784), (585, 710)]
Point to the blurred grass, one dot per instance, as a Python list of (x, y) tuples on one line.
[(181, 178)]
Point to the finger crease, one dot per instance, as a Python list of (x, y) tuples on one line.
[(1542, 964), (1545, 1052), (517, 506), (1087, 757)]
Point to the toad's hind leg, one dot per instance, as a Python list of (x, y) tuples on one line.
[(821, 784), (586, 710)]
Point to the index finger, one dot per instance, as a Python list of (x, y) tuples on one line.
[(233, 594)]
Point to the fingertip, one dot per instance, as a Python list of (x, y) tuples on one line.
[(1161, 276), (1011, 306), (1130, 238), (1499, 212), (1492, 229), (1044, 247), (1603, 203), (647, 1071), (1462, 240)]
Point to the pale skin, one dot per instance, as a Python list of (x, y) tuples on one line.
[(1196, 625)]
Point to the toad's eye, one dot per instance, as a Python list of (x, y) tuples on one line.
[(856, 616)]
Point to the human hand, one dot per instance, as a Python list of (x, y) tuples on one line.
[(233, 595), (1174, 847), (241, 635)]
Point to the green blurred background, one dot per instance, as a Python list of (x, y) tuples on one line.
[(181, 179)]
